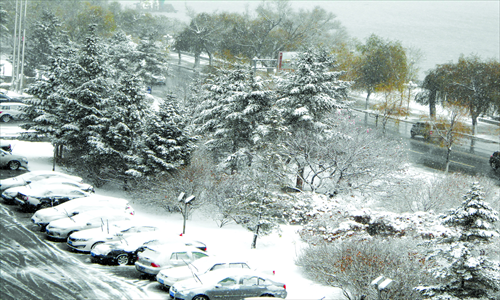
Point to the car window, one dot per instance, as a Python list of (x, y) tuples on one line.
[(250, 281), (227, 282), (218, 266), (264, 282), (239, 266), (179, 256), (197, 255)]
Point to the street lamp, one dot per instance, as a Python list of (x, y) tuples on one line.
[(186, 201), (381, 283)]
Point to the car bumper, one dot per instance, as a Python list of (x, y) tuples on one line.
[(56, 235), (78, 246), (7, 199), (146, 270)]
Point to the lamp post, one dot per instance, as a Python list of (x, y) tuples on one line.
[(381, 283), (186, 201)]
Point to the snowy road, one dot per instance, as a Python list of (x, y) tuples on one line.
[(34, 268)]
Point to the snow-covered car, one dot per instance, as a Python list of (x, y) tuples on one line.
[(11, 111), (9, 195), (34, 198), (495, 161), (153, 258), (86, 240), (228, 284), (62, 228), (6, 146), (12, 161), (125, 250), (30, 177), (76, 206), (169, 277)]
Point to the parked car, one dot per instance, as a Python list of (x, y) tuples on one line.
[(168, 277), (32, 199), (86, 240), (426, 130), (124, 251), (62, 228), (153, 258), (4, 98), (76, 206), (30, 177), (228, 284), (495, 161), (9, 195), (12, 161), (6, 146), (11, 111)]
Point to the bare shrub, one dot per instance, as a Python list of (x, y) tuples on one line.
[(353, 264)]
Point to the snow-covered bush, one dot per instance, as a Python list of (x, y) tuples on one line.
[(352, 265), (463, 265)]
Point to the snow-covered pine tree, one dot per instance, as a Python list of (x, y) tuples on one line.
[(233, 114), (309, 93), (150, 60), (166, 144), (462, 264)]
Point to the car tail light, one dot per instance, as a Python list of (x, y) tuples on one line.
[(154, 265), (284, 286)]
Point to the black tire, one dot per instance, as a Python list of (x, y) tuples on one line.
[(14, 165), (6, 118), (412, 135), (200, 297), (494, 166), (268, 296), (122, 260), (95, 244)]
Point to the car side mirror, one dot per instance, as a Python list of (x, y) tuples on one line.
[(75, 213), (88, 224), (217, 286)]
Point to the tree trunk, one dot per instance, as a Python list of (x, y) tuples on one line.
[(300, 181), (369, 92), (196, 60), (448, 152), (474, 132), (432, 104)]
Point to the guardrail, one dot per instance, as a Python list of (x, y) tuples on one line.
[(376, 115)]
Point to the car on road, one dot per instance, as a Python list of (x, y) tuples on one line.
[(76, 206), (169, 277), (12, 161), (124, 251), (11, 111), (35, 198), (154, 258), (495, 161), (86, 240), (6, 99), (62, 228), (228, 284), (30, 177), (426, 130), (9, 195)]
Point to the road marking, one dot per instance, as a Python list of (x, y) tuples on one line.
[(415, 151), (462, 163)]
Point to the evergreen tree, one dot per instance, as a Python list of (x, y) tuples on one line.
[(309, 93), (234, 113), (150, 60), (166, 144), (462, 264)]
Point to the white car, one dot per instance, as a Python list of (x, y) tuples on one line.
[(12, 161), (29, 177), (76, 206), (228, 284), (86, 240), (125, 250), (152, 258), (9, 195), (168, 277), (11, 111), (62, 228), (30, 199)]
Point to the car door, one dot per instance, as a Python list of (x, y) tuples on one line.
[(227, 288), (252, 286)]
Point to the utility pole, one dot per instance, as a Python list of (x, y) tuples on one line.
[(21, 80), (14, 42)]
